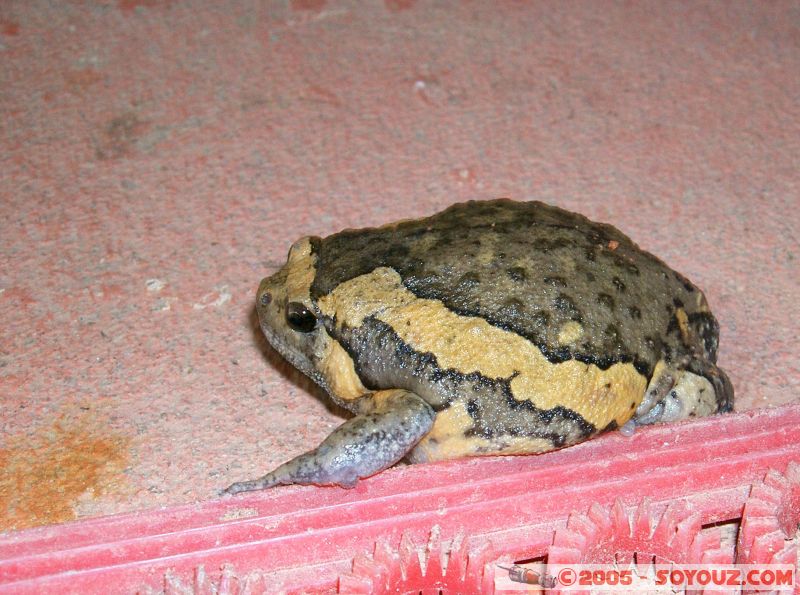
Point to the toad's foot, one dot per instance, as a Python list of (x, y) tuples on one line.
[(390, 424), (698, 390)]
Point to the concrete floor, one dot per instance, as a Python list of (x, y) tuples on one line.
[(158, 158)]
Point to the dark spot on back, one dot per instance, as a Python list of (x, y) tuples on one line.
[(468, 281), (555, 281), (541, 319), (546, 244), (398, 250), (517, 274), (597, 236), (635, 312), (673, 326), (625, 265), (443, 241), (707, 328), (564, 304), (620, 286), (605, 300), (512, 310), (684, 281)]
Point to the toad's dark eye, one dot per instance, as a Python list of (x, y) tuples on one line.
[(300, 318)]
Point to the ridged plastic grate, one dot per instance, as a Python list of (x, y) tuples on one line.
[(446, 527)]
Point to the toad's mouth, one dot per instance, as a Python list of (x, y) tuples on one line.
[(292, 355)]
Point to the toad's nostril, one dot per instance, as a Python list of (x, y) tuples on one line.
[(265, 298)]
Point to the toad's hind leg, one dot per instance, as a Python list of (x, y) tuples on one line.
[(697, 389), (391, 422)]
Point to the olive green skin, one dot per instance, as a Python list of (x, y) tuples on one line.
[(529, 267)]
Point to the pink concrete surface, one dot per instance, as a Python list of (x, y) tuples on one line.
[(158, 158)]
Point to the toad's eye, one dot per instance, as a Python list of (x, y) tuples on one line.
[(300, 318)]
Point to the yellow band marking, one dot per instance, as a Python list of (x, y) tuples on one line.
[(301, 268), (570, 333), (339, 370), (469, 344), (683, 325), (335, 365), (446, 440)]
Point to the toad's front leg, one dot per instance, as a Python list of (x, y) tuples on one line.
[(390, 424)]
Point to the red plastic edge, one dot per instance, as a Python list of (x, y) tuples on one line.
[(484, 510)]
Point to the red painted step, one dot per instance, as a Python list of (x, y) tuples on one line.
[(438, 526)]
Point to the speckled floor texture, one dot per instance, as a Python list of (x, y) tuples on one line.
[(157, 159)]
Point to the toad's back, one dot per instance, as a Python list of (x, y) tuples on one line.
[(574, 288)]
